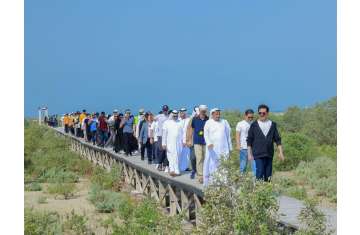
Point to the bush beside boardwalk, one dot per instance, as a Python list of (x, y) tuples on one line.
[(47, 160)]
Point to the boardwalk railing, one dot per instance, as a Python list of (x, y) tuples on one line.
[(178, 196)]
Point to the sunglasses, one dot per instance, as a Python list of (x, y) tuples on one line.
[(262, 113)]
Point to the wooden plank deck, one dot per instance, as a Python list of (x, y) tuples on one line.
[(289, 208)]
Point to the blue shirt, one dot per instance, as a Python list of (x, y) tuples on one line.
[(128, 126), (93, 125), (198, 125)]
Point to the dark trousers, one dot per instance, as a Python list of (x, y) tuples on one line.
[(127, 143), (161, 153), (72, 130), (263, 168), (93, 137), (118, 140), (149, 150), (193, 159), (66, 128), (78, 132), (88, 134)]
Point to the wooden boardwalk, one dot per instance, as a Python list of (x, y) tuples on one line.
[(178, 194)]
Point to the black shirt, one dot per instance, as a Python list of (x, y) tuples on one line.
[(263, 146)]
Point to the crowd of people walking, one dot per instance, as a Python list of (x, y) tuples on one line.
[(174, 142)]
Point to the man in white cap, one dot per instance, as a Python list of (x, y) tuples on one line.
[(185, 153), (172, 142), (197, 125), (218, 143)]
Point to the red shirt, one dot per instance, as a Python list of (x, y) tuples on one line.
[(102, 123)]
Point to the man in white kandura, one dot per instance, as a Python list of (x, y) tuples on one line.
[(185, 153), (218, 143), (172, 136)]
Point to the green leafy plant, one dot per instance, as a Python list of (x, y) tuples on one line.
[(236, 204), (57, 175), (297, 148), (42, 200), (62, 189), (34, 186), (313, 219), (41, 223), (321, 175), (76, 223), (108, 180), (105, 201)]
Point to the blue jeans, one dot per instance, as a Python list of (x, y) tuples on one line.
[(103, 137), (244, 160)]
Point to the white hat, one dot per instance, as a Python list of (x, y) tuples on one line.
[(183, 110), (115, 111), (174, 112), (214, 110), (141, 111), (203, 107)]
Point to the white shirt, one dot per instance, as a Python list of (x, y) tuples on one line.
[(161, 118), (218, 134), (243, 128), (184, 124), (265, 126), (155, 130)]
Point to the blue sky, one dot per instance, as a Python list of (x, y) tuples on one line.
[(102, 55)]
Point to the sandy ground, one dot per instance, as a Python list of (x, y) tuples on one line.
[(78, 203)]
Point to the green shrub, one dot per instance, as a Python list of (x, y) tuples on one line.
[(108, 180), (235, 204), (58, 175), (125, 207), (297, 147), (41, 223), (297, 192), (105, 201), (64, 189), (34, 186), (146, 214), (42, 200), (44, 151), (321, 175), (313, 219), (76, 223), (327, 151)]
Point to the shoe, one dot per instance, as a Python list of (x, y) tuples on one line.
[(192, 175), (201, 180), (172, 174)]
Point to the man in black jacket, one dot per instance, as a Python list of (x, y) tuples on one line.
[(261, 137)]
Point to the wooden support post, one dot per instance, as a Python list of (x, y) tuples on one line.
[(185, 204), (172, 201), (137, 182), (197, 209), (153, 190), (162, 194), (144, 183), (126, 173)]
